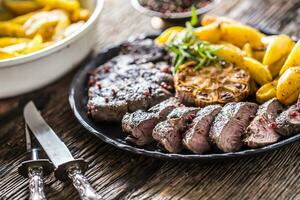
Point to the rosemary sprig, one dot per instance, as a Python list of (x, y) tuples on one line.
[(187, 47)]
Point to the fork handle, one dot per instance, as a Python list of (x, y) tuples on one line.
[(36, 186), (84, 188)]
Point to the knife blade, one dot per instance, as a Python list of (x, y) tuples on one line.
[(67, 167), (35, 168)]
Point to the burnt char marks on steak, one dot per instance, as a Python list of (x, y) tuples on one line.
[(196, 137), (230, 124), (169, 132), (261, 131), (140, 124), (131, 81), (288, 122)]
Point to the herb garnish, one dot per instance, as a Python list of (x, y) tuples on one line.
[(187, 47)]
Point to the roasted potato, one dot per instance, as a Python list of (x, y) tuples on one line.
[(248, 50), (5, 14), (20, 7), (258, 54), (209, 19), (276, 67), (240, 35), (230, 54), (9, 29), (293, 58), (164, 37), (288, 87), (68, 5), (259, 72), (80, 15), (8, 41), (266, 92), (278, 47), (210, 33)]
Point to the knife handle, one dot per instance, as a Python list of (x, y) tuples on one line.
[(36, 186), (84, 188)]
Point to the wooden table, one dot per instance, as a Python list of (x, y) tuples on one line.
[(120, 175)]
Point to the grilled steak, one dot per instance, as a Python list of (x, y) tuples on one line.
[(230, 124), (261, 131), (288, 122), (137, 78), (139, 124), (196, 137), (169, 133)]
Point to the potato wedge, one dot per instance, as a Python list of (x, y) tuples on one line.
[(34, 45), (5, 55), (258, 54), (293, 58), (288, 87), (7, 41), (276, 67), (259, 72), (68, 5), (8, 29), (266, 92), (209, 19), (279, 47), (20, 7), (229, 54), (248, 50), (239, 35), (5, 14), (210, 33), (164, 37)]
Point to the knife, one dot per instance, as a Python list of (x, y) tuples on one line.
[(35, 168), (66, 167)]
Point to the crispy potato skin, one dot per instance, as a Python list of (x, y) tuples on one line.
[(293, 58), (210, 33), (240, 35), (278, 47), (288, 87), (259, 72), (266, 92)]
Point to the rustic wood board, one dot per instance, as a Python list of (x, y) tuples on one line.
[(120, 175)]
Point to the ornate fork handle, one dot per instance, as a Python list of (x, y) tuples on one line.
[(84, 188), (36, 186)]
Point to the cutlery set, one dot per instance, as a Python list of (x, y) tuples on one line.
[(61, 161)]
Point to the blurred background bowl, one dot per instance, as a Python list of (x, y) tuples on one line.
[(33, 71), (171, 19)]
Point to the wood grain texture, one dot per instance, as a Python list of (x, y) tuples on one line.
[(119, 175)]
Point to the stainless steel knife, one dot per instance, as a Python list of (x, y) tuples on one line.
[(35, 168), (66, 166)]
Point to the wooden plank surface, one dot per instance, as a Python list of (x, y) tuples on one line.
[(120, 175)]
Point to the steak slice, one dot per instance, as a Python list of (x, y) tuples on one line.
[(140, 124), (196, 137), (261, 131), (288, 122), (169, 132), (132, 80), (230, 124)]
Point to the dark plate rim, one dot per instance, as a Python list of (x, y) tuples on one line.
[(157, 154)]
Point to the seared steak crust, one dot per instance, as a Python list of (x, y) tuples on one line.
[(288, 122), (230, 124), (196, 137), (261, 131), (137, 78), (169, 132)]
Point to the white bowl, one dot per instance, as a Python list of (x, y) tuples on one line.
[(29, 72)]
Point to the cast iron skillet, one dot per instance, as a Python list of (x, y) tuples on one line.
[(111, 133)]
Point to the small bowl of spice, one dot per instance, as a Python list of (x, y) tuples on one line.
[(170, 12)]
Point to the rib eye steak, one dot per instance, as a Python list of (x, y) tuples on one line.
[(140, 124), (261, 131), (230, 124), (169, 132), (138, 78), (196, 137)]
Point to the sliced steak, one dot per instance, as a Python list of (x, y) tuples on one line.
[(230, 124), (261, 131), (132, 80), (169, 132), (139, 126), (196, 137), (288, 122)]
